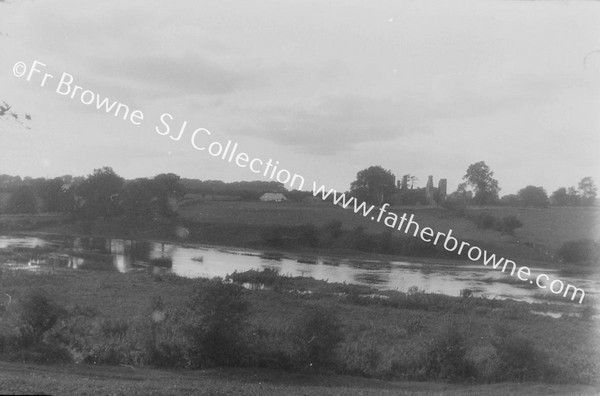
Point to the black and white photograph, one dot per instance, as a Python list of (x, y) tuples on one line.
[(299, 197)]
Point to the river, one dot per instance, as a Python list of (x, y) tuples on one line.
[(205, 261)]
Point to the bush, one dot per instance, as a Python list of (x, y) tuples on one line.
[(37, 314), (518, 359), (318, 335), (218, 314), (458, 208), (506, 225), (42, 353), (165, 354), (446, 357), (509, 224), (581, 251), (333, 230), (114, 328), (308, 235), (485, 220)]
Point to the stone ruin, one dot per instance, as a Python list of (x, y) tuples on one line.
[(433, 196)]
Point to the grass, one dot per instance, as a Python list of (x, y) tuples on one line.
[(543, 231), (92, 380), (383, 337)]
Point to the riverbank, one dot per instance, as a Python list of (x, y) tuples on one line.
[(107, 318), (260, 225)]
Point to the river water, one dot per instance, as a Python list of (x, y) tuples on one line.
[(203, 261)]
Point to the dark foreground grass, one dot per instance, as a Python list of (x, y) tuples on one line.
[(98, 380)]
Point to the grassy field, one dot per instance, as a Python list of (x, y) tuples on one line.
[(543, 231), (550, 226), (381, 340)]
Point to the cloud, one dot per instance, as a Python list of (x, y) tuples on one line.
[(329, 124), (174, 75)]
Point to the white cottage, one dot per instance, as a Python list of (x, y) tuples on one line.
[(273, 197)]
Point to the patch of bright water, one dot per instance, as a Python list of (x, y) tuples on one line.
[(201, 261)]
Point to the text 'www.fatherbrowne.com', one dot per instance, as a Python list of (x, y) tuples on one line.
[(474, 253)]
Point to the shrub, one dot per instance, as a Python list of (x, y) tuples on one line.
[(333, 229), (275, 236), (218, 314), (165, 354), (114, 328), (37, 314), (318, 335), (518, 359), (446, 357), (509, 224), (308, 235), (458, 208), (581, 251), (485, 220), (42, 353), (268, 348)]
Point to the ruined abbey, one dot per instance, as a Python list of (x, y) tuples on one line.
[(433, 196)]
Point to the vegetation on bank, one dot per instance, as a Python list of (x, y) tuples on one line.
[(158, 207), (296, 324)]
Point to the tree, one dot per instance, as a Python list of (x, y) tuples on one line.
[(533, 196), (510, 200), (170, 184), (480, 178), (99, 194), (461, 195), (587, 190), (139, 199), (560, 197), (54, 199), (10, 116), (374, 185), (21, 201)]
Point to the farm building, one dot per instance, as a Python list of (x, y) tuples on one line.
[(273, 197)]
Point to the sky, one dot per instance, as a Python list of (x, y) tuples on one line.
[(325, 88)]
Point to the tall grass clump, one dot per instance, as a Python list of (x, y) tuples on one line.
[(34, 317), (218, 314), (446, 357), (518, 359), (317, 337)]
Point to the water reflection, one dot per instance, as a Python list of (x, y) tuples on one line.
[(195, 261)]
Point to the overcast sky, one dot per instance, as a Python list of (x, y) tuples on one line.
[(327, 88)]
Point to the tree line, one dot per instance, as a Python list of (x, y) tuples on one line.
[(376, 185)]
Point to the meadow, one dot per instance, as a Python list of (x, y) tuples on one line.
[(543, 231), (106, 319)]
